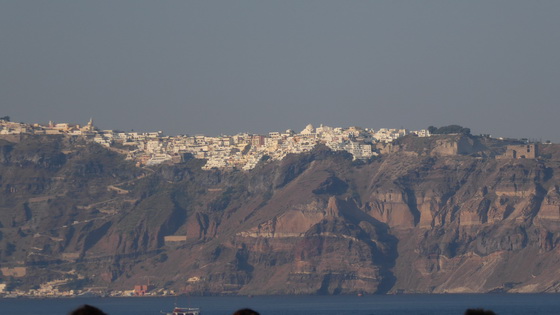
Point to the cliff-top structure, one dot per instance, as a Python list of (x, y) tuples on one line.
[(447, 213), (241, 151)]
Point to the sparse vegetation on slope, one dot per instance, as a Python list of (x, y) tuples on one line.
[(417, 219)]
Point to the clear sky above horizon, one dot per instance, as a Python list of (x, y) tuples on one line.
[(223, 67)]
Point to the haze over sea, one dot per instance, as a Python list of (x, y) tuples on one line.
[(511, 304)]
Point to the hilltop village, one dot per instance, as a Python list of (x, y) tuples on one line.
[(60, 221), (240, 151)]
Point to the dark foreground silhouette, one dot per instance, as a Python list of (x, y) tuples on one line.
[(92, 310), (246, 311), (87, 310)]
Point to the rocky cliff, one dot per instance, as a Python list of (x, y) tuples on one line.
[(437, 214)]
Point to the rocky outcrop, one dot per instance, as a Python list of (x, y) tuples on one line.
[(431, 215)]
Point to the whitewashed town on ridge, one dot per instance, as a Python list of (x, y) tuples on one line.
[(240, 151)]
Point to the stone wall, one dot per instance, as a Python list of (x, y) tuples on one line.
[(525, 151)]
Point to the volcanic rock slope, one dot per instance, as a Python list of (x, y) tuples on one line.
[(430, 215)]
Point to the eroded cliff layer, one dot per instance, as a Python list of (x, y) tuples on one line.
[(429, 215)]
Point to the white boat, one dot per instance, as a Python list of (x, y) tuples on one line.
[(184, 311)]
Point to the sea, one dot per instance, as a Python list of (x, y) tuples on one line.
[(502, 304)]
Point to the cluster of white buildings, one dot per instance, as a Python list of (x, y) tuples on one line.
[(14, 128), (241, 151), (51, 290)]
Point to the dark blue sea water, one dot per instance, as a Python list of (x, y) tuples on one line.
[(510, 304)]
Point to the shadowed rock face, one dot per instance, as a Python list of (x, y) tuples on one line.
[(421, 218)]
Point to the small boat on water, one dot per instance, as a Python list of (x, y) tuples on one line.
[(184, 311)]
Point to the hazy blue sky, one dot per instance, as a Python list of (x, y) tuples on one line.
[(222, 67)]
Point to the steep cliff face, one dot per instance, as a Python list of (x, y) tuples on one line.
[(474, 228), (430, 215)]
